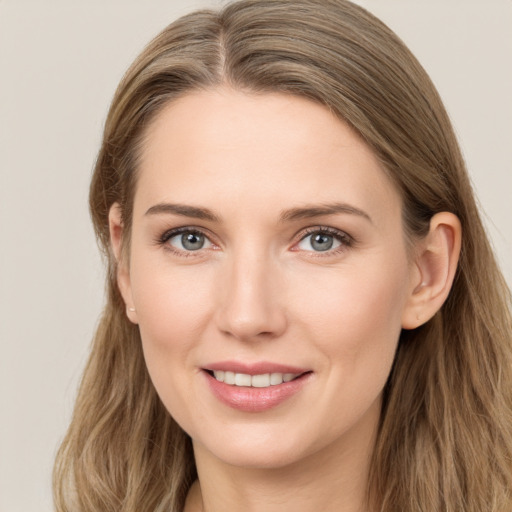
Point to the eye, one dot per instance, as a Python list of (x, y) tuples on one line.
[(323, 240), (187, 240)]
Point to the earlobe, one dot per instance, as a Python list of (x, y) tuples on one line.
[(123, 271), (436, 261)]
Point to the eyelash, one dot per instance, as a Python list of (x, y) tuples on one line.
[(171, 233), (346, 241)]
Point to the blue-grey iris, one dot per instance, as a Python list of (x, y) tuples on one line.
[(192, 241), (322, 242)]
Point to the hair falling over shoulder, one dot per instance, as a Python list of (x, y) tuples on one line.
[(444, 442)]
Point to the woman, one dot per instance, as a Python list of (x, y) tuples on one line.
[(303, 312)]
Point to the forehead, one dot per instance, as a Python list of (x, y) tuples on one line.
[(225, 148)]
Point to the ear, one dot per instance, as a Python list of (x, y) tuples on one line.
[(436, 259), (122, 268)]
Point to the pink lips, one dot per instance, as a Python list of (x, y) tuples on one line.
[(254, 368), (251, 399)]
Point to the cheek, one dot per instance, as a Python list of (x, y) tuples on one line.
[(355, 314), (173, 307), (172, 304), (354, 320)]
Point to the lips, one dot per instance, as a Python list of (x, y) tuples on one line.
[(254, 387)]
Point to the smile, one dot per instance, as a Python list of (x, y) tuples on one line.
[(263, 380), (255, 387)]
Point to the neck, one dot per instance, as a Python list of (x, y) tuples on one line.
[(334, 478)]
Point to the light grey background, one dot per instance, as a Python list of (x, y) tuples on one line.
[(60, 61)]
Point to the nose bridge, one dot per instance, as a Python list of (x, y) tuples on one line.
[(250, 305)]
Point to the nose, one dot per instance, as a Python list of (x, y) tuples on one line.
[(250, 305)]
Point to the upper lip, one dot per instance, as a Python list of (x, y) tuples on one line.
[(256, 368)]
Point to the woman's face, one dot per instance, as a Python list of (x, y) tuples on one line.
[(267, 245)]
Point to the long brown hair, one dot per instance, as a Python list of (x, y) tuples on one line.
[(445, 438)]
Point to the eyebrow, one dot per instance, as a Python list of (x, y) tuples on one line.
[(308, 212), (290, 215), (183, 210)]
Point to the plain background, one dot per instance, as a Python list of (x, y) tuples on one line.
[(60, 61)]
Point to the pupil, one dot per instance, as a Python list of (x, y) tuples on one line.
[(192, 241), (322, 242)]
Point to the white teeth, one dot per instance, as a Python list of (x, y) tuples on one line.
[(219, 375), (229, 377), (242, 379), (276, 378), (261, 381), (256, 381)]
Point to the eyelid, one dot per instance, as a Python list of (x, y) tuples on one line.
[(342, 236), (171, 233)]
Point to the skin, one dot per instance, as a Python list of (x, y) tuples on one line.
[(259, 290)]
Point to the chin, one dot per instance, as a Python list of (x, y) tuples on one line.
[(263, 448), (259, 458)]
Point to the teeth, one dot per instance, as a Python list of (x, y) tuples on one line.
[(276, 378), (261, 381), (256, 381), (242, 379)]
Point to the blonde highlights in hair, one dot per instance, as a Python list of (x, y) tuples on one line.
[(444, 439)]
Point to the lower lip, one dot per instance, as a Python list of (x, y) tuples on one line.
[(249, 399)]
